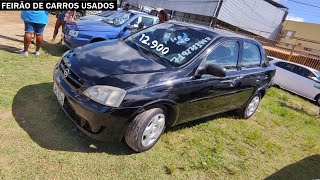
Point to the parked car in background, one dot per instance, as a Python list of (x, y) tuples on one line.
[(297, 78), (79, 13), (118, 25), (161, 76), (97, 17)]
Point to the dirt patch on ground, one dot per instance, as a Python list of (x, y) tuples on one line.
[(12, 30)]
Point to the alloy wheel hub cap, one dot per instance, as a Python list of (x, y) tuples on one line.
[(153, 130), (252, 107)]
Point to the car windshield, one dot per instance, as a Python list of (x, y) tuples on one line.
[(106, 13), (118, 18), (173, 43)]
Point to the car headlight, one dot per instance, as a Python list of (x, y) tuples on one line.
[(106, 95), (73, 33)]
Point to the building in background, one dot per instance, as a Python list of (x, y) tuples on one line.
[(260, 17), (305, 36)]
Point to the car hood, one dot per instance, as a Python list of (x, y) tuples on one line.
[(94, 25), (113, 61)]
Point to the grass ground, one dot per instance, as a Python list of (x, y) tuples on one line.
[(37, 141)]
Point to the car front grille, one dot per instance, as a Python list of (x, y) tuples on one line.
[(69, 76)]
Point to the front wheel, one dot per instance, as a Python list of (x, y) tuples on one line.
[(145, 130), (251, 107)]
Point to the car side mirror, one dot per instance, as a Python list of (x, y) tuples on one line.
[(212, 69)]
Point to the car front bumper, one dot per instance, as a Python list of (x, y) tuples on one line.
[(97, 121)]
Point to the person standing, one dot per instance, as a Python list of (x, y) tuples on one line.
[(34, 22), (62, 18), (59, 22)]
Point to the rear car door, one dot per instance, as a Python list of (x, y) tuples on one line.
[(303, 84), (209, 94), (252, 73), (284, 75)]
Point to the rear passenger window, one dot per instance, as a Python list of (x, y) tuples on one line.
[(225, 55), (302, 72), (251, 56), (286, 66)]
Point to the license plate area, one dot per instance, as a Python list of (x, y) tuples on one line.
[(59, 94)]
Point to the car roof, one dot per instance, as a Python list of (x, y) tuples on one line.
[(281, 60), (210, 30)]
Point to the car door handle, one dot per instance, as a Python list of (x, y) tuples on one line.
[(232, 82), (227, 81)]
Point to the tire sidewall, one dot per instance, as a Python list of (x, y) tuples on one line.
[(245, 109), (145, 123)]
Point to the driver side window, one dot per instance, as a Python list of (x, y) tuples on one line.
[(225, 55), (141, 22)]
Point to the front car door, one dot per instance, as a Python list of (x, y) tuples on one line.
[(209, 94)]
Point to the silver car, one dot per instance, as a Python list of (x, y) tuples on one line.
[(297, 78)]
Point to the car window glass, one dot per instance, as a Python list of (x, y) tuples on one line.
[(142, 22), (302, 71), (147, 21), (135, 22), (225, 55), (317, 73), (172, 43), (251, 56), (286, 66)]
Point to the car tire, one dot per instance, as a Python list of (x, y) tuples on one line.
[(145, 130), (250, 108), (318, 99)]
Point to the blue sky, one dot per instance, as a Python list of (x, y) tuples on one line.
[(299, 12)]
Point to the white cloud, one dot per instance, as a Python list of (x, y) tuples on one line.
[(295, 18)]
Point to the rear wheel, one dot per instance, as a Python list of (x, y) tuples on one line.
[(318, 99), (251, 107), (145, 130)]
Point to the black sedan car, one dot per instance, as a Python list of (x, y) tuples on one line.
[(165, 75)]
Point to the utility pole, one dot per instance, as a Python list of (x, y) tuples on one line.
[(292, 51), (214, 20)]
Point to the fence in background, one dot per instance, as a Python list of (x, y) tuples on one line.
[(291, 52)]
